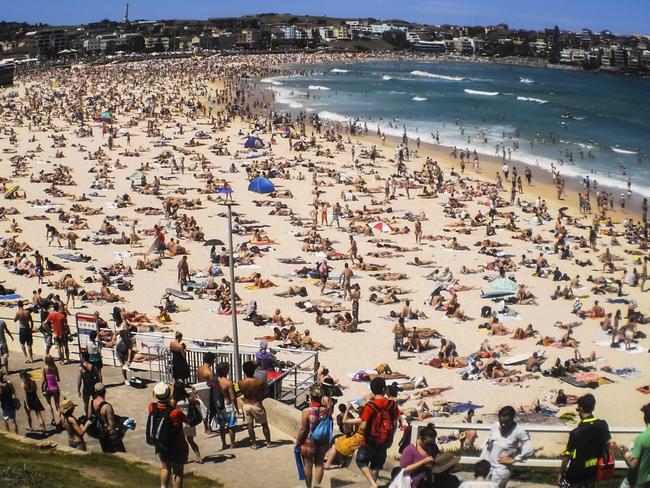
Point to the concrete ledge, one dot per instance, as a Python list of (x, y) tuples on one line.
[(282, 417)]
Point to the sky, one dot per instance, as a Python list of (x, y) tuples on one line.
[(621, 16)]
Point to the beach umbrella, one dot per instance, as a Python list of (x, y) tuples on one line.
[(380, 226), (500, 287), (106, 116), (261, 185), (213, 242)]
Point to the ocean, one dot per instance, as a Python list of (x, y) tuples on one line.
[(580, 123)]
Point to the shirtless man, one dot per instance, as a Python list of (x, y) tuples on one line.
[(252, 390), (26, 328), (227, 417), (204, 373), (346, 277), (399, 333)]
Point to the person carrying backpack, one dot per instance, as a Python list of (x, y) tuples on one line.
[(165, 433), (314, 436), (378, 422)]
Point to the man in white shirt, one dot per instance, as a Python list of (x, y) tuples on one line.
[(507, 444)]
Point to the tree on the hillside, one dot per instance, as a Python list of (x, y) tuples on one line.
[(554, 56)]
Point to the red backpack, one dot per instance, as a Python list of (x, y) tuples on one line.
[(381, 426)]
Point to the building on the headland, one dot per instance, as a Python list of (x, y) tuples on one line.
[(7, 69)]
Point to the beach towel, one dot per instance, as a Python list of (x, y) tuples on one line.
[(11, 296), (627, 373), (299, 465)]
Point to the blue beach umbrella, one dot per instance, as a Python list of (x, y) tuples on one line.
[(261, 185), (501, 287)]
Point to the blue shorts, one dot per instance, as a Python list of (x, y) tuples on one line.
[(227, 417)]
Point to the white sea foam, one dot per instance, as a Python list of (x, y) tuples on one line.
[(531, 99), (623, 151), (337, 70), (271, 81), (386, 78), (480, 92), (426, 74), (317, 87), (526, 81), (418, 99)]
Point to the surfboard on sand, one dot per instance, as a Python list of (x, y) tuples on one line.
[(153, 247), (11, 190), (515, 360), (178, 294)]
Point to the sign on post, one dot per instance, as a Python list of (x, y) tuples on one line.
[(85, 325)]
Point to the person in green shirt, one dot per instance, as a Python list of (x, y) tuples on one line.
[(638, 459)]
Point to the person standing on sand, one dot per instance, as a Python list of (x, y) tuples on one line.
[(346, 278), (399, 333), (4, 349), (353, 249), (183, 272), (252, 390), (418, 230)]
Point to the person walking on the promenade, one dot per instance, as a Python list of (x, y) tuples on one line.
[(379, 421), (507, 444), (587, 443), (252, 390), (638, 459), (165, 433)]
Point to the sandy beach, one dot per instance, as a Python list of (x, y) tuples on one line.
[(48, 151)]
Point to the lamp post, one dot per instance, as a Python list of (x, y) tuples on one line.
[(236, 367)]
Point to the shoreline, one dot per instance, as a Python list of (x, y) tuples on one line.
[(490, 165), (571, 173)]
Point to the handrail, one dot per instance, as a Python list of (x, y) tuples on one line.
[(530, 428)]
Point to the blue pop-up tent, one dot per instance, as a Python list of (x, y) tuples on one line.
[(261, 185), (253, 143)]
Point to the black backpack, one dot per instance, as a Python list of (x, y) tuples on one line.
[(97, 429), (159, 428), (217, 401)]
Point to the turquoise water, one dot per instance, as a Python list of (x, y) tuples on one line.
[(580, 123)]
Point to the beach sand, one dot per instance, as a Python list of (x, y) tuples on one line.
[(349, 353)]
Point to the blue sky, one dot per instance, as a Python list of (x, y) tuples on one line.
[(621, 16)]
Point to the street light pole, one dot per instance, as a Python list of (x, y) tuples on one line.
[(236, 366)]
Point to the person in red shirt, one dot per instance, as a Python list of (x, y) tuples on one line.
[(174, 457), (371, 456), (160, 240), (58, 323)]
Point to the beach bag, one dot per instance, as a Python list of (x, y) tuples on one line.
[(194, 416), (159, 429), (324, 431), (382, 425), (606, 465)]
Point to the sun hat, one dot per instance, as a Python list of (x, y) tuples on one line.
[(443, 462), (67, 406), (161, 391)]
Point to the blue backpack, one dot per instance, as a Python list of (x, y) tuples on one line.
[(324, 431)]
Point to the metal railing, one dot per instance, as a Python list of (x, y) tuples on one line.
[(531, 429), (292, 384)]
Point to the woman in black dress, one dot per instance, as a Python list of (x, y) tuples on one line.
[(32, 403), (180, 368)]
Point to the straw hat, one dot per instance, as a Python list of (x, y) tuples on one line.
[(443, 462), (67, 406)]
